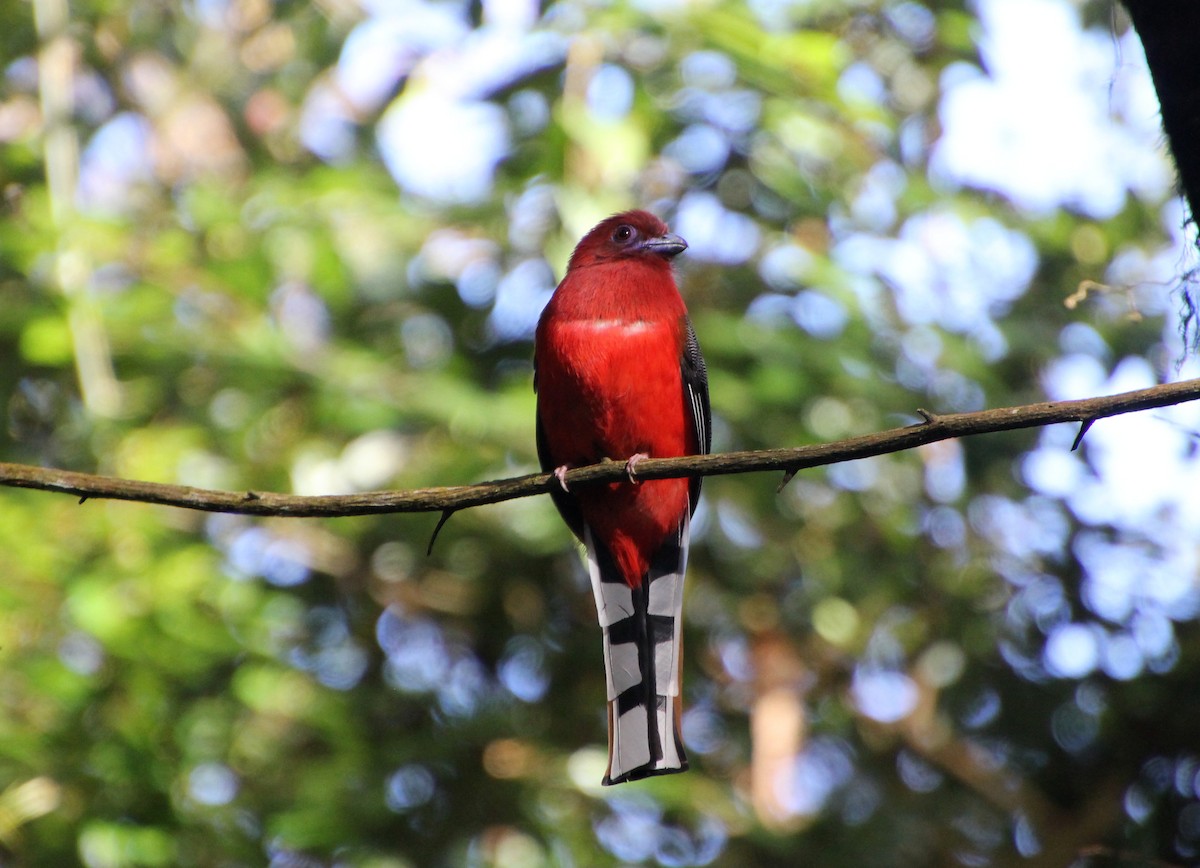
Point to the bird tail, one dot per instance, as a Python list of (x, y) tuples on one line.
[(642, 659)]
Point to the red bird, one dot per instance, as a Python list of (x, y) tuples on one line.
[(619, 376)]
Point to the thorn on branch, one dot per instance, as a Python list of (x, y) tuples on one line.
[(83, 500), (1083, 429), (446, 513), (787, 477), (929, 418), (251, 495)]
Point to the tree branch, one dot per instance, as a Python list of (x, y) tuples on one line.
[(453, 498)]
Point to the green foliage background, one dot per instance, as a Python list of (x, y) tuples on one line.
[(186, 689)]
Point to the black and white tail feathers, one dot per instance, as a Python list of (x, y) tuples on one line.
[(642, 658)]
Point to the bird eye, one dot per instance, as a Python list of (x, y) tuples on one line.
[(623, 233)]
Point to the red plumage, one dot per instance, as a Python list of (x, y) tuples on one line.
[(620, 376)]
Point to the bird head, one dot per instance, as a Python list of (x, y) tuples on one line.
[(629, 235)]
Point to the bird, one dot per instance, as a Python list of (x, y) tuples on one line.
[(619, 376)]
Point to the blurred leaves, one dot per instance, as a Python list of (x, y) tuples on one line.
[(301, 247)]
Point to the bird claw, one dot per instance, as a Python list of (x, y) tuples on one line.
[(631, 465), (560, 473)]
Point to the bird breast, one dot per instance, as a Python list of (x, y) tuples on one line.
[(619, 383)]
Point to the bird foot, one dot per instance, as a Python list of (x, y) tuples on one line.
[(631, 465), (560, 473)]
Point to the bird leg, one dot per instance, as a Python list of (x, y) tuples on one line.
[(560, 473), (631, 465)]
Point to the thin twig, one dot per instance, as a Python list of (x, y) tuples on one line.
[(931, 429)]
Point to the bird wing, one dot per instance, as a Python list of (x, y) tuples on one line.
[(568, 506), (695, 387)]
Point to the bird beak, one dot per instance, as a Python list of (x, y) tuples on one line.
[(665, 246)]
